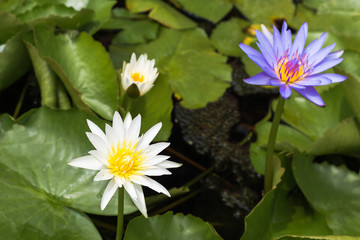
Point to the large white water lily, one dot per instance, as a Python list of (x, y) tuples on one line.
[(140, 72), (126, 159)]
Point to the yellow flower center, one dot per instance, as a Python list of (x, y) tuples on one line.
[(290, 70), (125, 161), (137, 77)]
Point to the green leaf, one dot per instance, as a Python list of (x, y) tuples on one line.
[(65, 17), (266, 12), (46, 140), (313, 120), (9, 26), (339, 18), (331, 190), (213, 10), (169, 226), (284, 212), (14, 61), (40, 192), (134, 31), (227, 36), (343, 139), (187, 60), (155, 106), (89, 76), (288, 139), (161, 12), (350, 68)]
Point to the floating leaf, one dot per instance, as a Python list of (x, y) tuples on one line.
[(266, 12), (14, 60), (161, 12), (332, 191), (155, 106), (186, 58), (284, 212), (350, 68), (40, 192), (227, 36), (89, 76), (213, 10), (169, 226)]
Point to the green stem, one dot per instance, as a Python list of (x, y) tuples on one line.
[(120, 218), (271, 144), (20, 102)]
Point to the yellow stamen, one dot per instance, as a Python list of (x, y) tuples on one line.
[(290, 71), (125, 161), (137, 77)]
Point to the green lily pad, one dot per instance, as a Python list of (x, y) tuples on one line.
[(213, 10), (350, 68), (227, 36), (40, 192), (155, 106), (288, 139), (186, 58), (14, 60), (266, 12), (284, 212), (88, 76), (9, 26), (337, 17), (333, 191), (312, 120), (169, 226), (134, 31), (161, 12)]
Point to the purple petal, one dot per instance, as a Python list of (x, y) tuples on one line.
[(321, 55), (278, 45), (258, 59), (335, 78), (326, 64), (276, 82), (312, 95), (267, 34), (286, 36), (336, 54), (299, 42), (310, 81), (285, 91), (315, 45), (259, 79), (266, 48), (296, 86)]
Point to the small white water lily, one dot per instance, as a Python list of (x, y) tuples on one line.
[(126, 159), (140, 72)]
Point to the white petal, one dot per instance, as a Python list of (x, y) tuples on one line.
[(127, 121), (98, 142), (99, 156), (118, 126), (87, 162), (156, 148), (155, 171), (103, 174), (119, 181), (95, 129), (149, 136), (139, 201), (129, 187), (134, 130), (108, 193), (169, 164), (150, 183), (150, 161)]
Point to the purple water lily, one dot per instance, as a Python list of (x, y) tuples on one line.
[(288, 65)]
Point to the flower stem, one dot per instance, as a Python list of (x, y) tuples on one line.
[(271, 144), (120, 218)]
